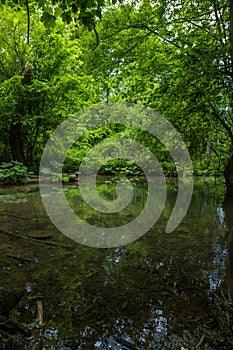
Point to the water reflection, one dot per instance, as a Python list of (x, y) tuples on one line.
[(163, 291)]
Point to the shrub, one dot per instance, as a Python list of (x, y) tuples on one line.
[(13, 173)]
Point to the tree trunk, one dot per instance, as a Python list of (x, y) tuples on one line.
[(208, 153), (228, 174), (231, 31), (15, 133), (30, 147), (228, 209), (16, 142)]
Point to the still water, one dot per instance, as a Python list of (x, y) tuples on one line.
[(162, 291)]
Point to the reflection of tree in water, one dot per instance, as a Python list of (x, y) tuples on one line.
[(228, 209), (22, 210)]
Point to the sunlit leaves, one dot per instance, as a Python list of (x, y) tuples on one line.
[(86, 11)]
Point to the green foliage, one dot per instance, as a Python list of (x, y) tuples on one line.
[(53, 174), (118, 165), (174, 58), (14, 313), (40, 80), (13, 173), (85, 11)]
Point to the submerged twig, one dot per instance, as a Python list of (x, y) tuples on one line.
[(72, 282), (223, 300), (40, 312), (200, 341)]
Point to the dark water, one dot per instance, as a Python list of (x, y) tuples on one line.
[(163, 291)]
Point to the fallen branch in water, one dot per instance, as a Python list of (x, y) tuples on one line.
[(37, 240), (18, 257), (15, 216)]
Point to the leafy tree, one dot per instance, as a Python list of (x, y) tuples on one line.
[(174, 57), (40, 84)]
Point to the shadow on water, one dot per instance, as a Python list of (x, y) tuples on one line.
[(163, 291)]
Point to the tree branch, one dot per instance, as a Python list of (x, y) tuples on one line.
[(222, 122), (97, 38), (153, 31), (231, 31), (28, 22)]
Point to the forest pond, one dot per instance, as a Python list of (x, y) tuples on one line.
[(163, 291)]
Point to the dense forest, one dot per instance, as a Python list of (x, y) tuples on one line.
[(122, 260), (59, 57)]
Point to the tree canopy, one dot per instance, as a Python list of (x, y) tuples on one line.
[(172, 56)]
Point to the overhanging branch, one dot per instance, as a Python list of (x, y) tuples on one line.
[(222, 122)]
